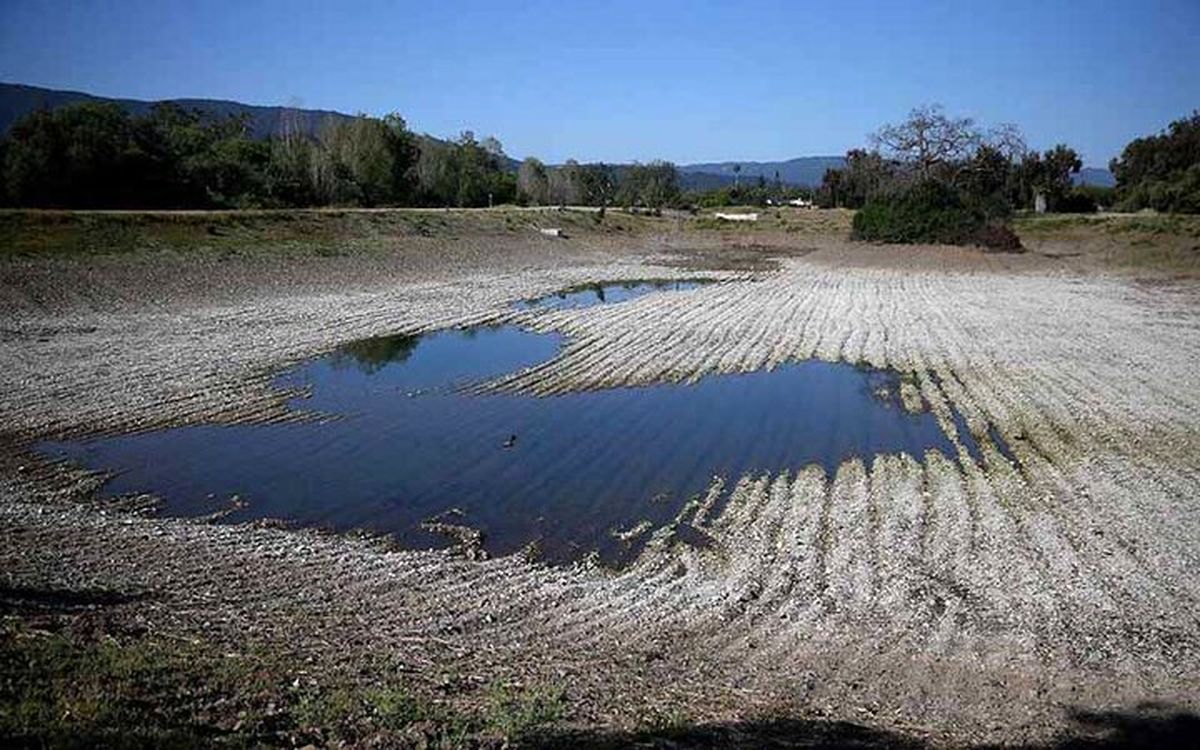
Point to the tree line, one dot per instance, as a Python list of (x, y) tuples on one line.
[(97, 155), (939, 178), (1161, 171), (991, 169), (652, 186)]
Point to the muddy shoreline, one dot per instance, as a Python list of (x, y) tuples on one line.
[(946, 604)]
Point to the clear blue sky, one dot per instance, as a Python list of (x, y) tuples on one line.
[(615, 81)]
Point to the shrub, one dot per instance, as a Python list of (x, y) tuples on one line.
[(1076, 202), (1179, 194), (1104, 197), (1162, 171), (931, 212), (927, 211)]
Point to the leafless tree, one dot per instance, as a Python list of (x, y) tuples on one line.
[(566, 184), (492, 146), (533, 182), (1009, 141), (928, 139)]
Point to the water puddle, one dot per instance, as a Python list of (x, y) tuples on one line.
[(414, 454), (609, 292), (571, 472), (1002, 445), (965, 436)]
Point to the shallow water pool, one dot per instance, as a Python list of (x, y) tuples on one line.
[(567, 471)]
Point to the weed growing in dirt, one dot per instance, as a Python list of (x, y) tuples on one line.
[(62, 690), (519, 713)]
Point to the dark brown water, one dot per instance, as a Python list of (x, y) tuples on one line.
[(410, 445)]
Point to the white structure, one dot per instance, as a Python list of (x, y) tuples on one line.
[(1039, 203), (737, 217), (800, 203)]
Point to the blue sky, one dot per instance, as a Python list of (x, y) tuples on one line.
[(616, 81)]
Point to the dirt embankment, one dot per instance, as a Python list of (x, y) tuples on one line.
[(953, 601)]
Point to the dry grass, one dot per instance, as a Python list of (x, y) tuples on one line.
[(280, 232), (1137, 243), (823, 222)]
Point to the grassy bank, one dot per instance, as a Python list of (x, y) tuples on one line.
[(1165, 242), (70, 683), (1136, 242), (781, 219), (319, 231)]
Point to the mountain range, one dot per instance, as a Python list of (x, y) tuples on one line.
[(805, 171), (17, 100)]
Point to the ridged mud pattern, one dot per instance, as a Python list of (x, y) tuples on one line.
[(971, 598), (216, 362)]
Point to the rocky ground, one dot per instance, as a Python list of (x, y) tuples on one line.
[(904, 599)]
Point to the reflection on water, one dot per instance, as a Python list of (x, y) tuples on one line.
[(373, 353), (568, 471), (586, 295)]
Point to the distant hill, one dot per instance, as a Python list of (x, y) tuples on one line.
[(805, 171), (1097, 176), (17, 100), (702, 181)]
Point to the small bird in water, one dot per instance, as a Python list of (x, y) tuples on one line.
[(512, 441)]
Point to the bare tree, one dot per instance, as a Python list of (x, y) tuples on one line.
[(929, 139), (565, 185), (533, 182), (1007, 139), (492, 146)]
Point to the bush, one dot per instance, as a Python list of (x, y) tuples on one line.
[(1180, 194), (927, 211), (1076, 202), (1162, 171), (1104, 197), (931, 212)]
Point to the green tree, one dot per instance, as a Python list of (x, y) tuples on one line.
[(1162, 171), (73, 157), (865, 174), (830, 193), (437, 173), (94, 155), (403, 151), (654, 185), (984, 182), (599, 184), (1060, 163)]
